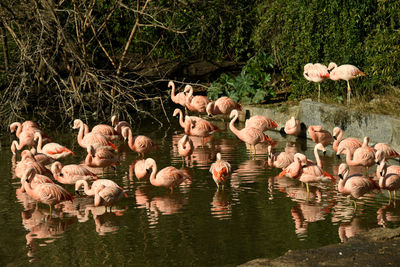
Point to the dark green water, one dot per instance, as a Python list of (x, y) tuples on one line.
[(256, 216)]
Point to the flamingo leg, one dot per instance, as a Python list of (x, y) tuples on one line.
[(319, 92), (355, 205), (394, 193), (50, 210), (222, 186), (390, 195), (348, 93), (308, 189)]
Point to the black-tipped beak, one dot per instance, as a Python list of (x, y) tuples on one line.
[(303, 166), (77, 192), (381, 173), (324, 153), (338, 156), (27, 180), (377, 163), (147, 170), (209, 115), (335, 137), (340, 176)]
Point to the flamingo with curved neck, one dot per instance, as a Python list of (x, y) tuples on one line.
[(86, 138), (350, 143), (177, 98), (363, 156), (91, 190), (141, 144), (388, 180), (54, 150), (185, 147), (279, 159), (196, 103), (292, 127)]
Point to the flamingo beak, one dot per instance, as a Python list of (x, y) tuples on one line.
[(377, 163), (324, 153), (334, 137), (340, 176), (381, 173), (303, 166), (77, 192), (338, 156)]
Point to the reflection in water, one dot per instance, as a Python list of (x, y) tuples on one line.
[(221, 207), (350, 229), (246, 173), (388, 214), (43, 226)]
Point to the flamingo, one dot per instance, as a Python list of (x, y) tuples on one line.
[(91, 190), (168, 177), (261, 123), (47, 193), (363, 156), (70, 174), (344, 72), (20, 127), (179, 98), (355, 185), (292, 127), (380, 157), (26, 138), (102, 157), (54, 150), (140, 170), (182, 123), (200, 128), (140, 143), (387, 180), (27, 160), (196, 103), (389, 151), (279, 159), (42, 158), (350, 143), (30, 173), (223, 105), (320, 136), (221, 171), (185, 147), (294, 169), (86, 138), (316, 73), (108, 195), (106, 130), (118, 125), (249, 135)]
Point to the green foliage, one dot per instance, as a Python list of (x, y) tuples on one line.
[(346, 32), (250, 86)]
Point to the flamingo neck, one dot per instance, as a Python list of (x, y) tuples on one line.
[(88, 191), (181, 122), (19, 128), (39, 145), (188, 125), (232, 125), (349, 160), (131, 141), (337, 141), (173, 96), (153, 179), (317, 158), (81, 133)]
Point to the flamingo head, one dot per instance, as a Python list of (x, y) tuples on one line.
[(149, 164), (176, 112), (379, 156), (171, 84), (29, 174), (343, 170), (77, 124), (233, 113), (331, 66), (319, 146), (209, 108), (219, 157), (188, 89)]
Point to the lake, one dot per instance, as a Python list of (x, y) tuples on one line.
[(257, 215)]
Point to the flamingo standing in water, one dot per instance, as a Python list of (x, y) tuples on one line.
[(26, 138), (140, 143), (249, 135), (70, 174), (178, 98), (47, 193), (292, 127), (294, 169), (344, 72), (223, 105), (106, 130), (380, 156), (387, 180), (196, 103), (221, 171), (389, 151), (316, 73), (27, 161), (140, 170), (279, 159), (102, 157), (26, 125), (261, 123), (91, 190), (30, 173), (54, 150), (108, 195), (86, 138), (118, 125), (363, 156), (168, 177), (200, 128), (182, 123), (320, 136), (350, 143), (185, 147), (355, 185)]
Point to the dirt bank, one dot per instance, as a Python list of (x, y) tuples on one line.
[(378, 247)]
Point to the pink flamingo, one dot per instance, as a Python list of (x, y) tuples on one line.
[(54, 150), (200, 128), (344, 72), (179, 98), (389, 151), (27, 161), (261, 123), (91, 190), (27, 125), (350, 143), (118, 125), (108, 195), (168, 177), (140, 170), (387, 180), (223, 105), (46, 193), (364, 156), (249, 135), (355, 185), (30, 173), (316, 73), (279, 159), (380, 156), (86, 138), (70, 174), (182, 123), (185, 147), (42, 158), (294, 169), (292, 127), (221, 171), (320, 136), (102, 157), (196, 103), (106, 130), (140, 143), (26, 138)]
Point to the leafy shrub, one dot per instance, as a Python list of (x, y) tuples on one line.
[(250, 86)]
